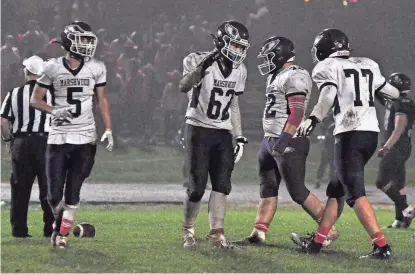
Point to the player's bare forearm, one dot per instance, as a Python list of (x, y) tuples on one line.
[(104, 107), (5, 129), (236, 117), (325, 102), (400, 123), (37, 102)]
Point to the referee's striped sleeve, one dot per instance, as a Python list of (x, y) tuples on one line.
[(6, 110)]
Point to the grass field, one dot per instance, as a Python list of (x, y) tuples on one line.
[(163, 164), (147, 239)]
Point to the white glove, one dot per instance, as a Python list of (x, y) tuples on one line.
[(307, 126), (62, 113), (239, 148), (108, 135)]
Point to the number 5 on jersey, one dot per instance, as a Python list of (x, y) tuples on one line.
[(73, 101)]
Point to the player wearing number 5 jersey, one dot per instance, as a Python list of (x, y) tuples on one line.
[(349, 85), (214, 80), (73, 81)]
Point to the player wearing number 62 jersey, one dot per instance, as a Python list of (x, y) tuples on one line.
[(214, 80), (349, 85), (70, 154)]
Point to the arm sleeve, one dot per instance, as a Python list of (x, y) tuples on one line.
[(240, 86), (236, 117), (387, 92), (325, 102), (101, 79), (6, 107), (189, 64)]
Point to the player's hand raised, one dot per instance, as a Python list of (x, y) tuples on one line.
[(108, 135)]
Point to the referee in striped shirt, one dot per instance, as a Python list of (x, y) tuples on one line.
[(25, 132)]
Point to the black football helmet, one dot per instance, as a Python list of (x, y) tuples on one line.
[(232, 41), (78, 38), (328, 43), (275, 52), (400, 81)]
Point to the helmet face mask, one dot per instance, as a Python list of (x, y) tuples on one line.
[(80, 41), (232, 42), (275, 52), (234, 50)]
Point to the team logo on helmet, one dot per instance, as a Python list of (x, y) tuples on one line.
[(232, 31), (270, 46)]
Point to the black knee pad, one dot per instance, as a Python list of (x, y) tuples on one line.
[(269, 184), (335, 189), (298, 193), (222, 188), (195, 196)]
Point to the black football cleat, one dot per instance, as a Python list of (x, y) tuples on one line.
[(306, 243), (379, 253)]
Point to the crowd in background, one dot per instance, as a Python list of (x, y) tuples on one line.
[(143, 43)]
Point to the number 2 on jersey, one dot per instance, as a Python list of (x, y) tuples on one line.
[(73, 101), (355, 74)]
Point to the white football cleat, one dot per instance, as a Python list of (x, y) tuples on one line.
[(256, 237), (189, 239), (218, 240), (331, 237)]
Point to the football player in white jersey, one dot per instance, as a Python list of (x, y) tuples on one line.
[(282, 155), (349, 85), (214, 80), (74, 80)]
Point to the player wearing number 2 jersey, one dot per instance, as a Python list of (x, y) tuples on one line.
[(214, 80), (73, 81), (282, 155), (348, 84)]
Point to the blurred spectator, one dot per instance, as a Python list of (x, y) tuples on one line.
[(34, 39), (173, 104), (10, 63)]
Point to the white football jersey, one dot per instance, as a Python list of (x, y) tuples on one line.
[(75, 89), (291, 81), (209, 102), (357, 79)]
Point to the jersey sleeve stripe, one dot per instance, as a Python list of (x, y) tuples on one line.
[(43, 85), (380, 87), (101, 85), (296, 94), (327, 84)]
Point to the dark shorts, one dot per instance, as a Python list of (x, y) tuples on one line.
[(67, 166), (392, 166), (290, 167), (352, 150), (209, 153)]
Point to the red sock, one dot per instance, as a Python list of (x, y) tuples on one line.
[(379, 239), (262, 226), (321, 234), (66, 226)]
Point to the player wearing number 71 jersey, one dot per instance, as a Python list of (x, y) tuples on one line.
[(348, 84), (214, 80), (73, 81)]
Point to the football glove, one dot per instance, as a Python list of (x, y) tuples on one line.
[(239, 148), (383, 151), (62, 113), (307, 126), (108, 135)]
